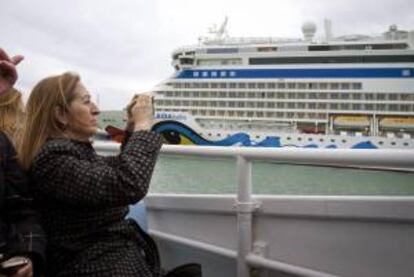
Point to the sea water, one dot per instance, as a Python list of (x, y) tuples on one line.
[(175, 174)]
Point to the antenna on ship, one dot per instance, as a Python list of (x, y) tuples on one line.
[(222, 30), (328, 29), (219, 32)]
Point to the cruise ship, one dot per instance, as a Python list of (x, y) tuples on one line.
[(352, 91)]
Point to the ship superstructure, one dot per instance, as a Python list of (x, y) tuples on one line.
[(352, 91)]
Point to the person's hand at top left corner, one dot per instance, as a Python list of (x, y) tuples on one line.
[(8, 72)]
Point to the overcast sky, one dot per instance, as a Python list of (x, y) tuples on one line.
[(120, 47)]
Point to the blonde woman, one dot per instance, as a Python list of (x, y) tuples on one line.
[(22, 241), (84, 197)]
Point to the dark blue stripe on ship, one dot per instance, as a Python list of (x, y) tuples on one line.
[(298, 73)]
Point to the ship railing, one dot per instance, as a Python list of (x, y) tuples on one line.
[(252, 254)]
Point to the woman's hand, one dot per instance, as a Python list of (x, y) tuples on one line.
[(8, 72), (25, 271), (140, 112)]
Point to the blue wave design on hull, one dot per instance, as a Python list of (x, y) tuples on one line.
[(239, 139)]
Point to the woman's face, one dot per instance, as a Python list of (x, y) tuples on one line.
[(82, 115)]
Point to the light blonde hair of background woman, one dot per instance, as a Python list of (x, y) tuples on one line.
[(42, 123), (11, 114)]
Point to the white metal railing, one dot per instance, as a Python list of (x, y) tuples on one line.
[(245, 206)]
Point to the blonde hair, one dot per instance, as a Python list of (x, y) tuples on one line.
[(50, 94), (11, 114)]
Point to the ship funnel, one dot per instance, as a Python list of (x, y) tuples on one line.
[(309, 30)]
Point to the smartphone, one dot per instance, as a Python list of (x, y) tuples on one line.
[(13, 264)]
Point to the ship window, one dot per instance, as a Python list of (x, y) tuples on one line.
[(291, 85), (252, 85), (301, 86), (343, 141), (232, 85), (356, 96), (369, 96), (344, 85), (271, 85), (260, 85), (222, 50), (281, 95), (381, 96), (344, 96), (299, 139), (334, 59), (405, 143), (334, 86), (321, 140), (356, 86), (332, 140), (281, 85), (214, 85), (392, 97), (334, 95), (289, 138), (323, 85), (242, 85), (393, 143)]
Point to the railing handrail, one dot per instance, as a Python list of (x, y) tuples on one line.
[(389, 159)]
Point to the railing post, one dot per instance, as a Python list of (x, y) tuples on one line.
[(245, 207)]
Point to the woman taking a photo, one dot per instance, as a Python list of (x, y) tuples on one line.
[(84, 197)]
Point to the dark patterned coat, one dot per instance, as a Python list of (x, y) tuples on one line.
[(20, 231), (83, 199)]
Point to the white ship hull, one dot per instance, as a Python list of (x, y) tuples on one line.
[(179, 128)]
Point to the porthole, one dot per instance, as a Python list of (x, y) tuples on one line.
[(405, 143), (393, 143), (380, 142), (332, 140), (321, 140)]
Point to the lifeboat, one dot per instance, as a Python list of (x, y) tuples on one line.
[(351, 121), (397, 122)]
